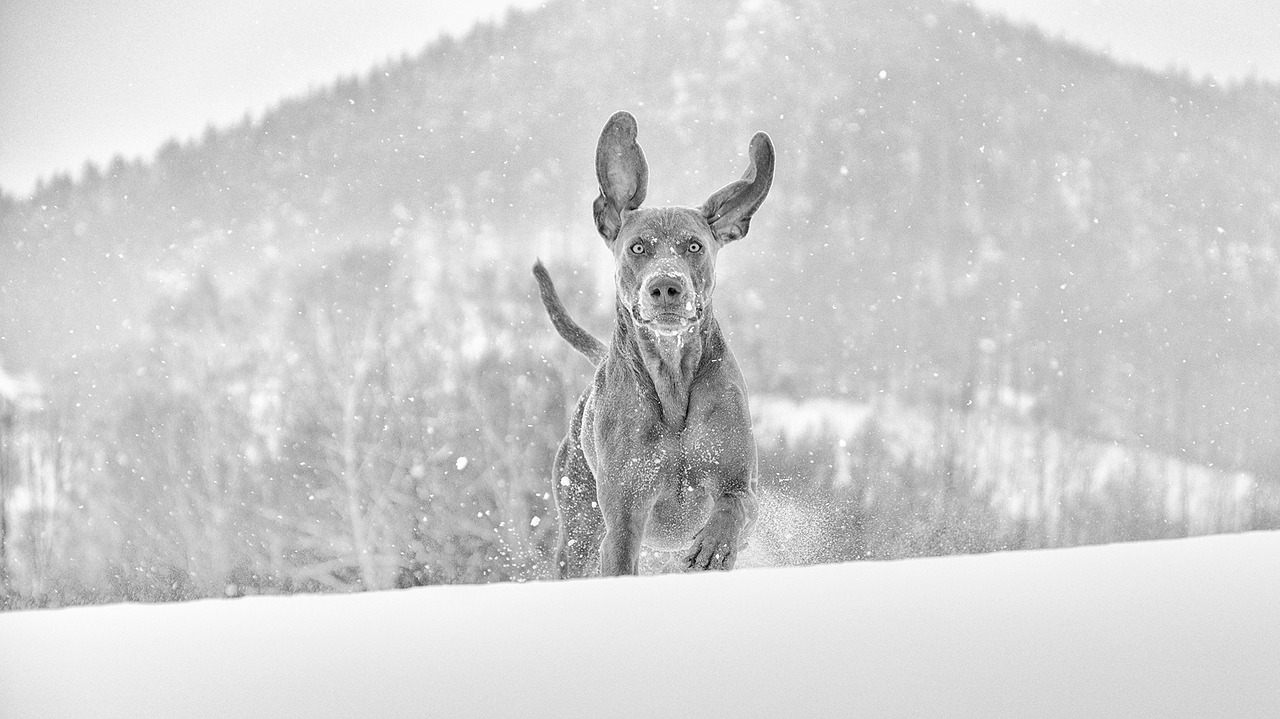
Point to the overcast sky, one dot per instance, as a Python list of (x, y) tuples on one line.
[(83, 79), (1226, 39), (92, 78)]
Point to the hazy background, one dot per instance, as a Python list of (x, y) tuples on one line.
[(267, 323)]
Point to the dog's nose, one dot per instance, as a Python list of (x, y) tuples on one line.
[(665, 289)]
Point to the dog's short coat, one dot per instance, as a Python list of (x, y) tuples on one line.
[(659, 451)]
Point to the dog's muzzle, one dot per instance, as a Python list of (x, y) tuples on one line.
[(667, 303)]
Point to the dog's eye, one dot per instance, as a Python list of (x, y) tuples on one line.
[(637, 248), (695, 246)]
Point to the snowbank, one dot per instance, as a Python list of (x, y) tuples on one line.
[(1186, 628)]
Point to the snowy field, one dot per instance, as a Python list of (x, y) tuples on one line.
[(1184, 628)]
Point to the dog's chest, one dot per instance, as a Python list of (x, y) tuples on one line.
[(676, 464), (627, 442)]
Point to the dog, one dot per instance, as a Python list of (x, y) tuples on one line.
[(659, 452)]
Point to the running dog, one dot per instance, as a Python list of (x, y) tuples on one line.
[(659, 451)]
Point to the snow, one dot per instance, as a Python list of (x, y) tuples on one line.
[(1181, 628)]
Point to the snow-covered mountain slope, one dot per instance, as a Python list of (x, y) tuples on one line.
[(1184, 628)]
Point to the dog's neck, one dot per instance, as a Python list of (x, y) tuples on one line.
[(666, 364)]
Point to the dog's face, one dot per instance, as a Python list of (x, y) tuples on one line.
[(665, 257), (665, 267)]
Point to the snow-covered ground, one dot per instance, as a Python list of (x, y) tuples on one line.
[(1184, 628)]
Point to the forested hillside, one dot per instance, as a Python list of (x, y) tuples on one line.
[(306, 352)]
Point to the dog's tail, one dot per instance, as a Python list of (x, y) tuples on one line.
[(571, 331)]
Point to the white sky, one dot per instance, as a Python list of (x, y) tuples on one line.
[(83, 79), (1226, 39), (92, 78)]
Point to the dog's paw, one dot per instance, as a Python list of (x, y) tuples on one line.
[(716, 545)]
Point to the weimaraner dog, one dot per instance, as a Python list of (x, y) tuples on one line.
[(659, 452)]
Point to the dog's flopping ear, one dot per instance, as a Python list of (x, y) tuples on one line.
[(730, 208), (622, 172)]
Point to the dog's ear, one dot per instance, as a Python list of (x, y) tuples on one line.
[(622, 172), (730, 208)]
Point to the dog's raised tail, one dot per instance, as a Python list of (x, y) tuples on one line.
[(571, 331)]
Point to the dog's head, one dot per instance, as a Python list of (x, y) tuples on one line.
[(666, 256)]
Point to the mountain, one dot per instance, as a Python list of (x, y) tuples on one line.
[(963, 209)]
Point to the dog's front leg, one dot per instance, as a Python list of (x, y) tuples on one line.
[(717, 544), (626, 507), (722, 437)]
